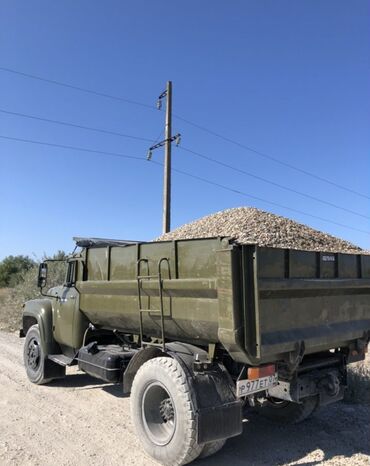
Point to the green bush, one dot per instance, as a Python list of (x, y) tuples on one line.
[(26, 289), (12, 269)]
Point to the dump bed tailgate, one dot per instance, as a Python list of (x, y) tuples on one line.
[(300, 300)]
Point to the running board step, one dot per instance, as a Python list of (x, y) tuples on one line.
[(60, 359)]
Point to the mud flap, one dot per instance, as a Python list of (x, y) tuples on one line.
[(220, 422), (53, 370)]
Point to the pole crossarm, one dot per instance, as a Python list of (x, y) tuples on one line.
[(176, 138)]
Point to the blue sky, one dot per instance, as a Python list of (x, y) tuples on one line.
[(288, 78)]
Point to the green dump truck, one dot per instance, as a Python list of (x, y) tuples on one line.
[(196, 330)]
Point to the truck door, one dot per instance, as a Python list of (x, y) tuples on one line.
[(65, 310)]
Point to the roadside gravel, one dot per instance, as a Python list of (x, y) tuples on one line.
[(80, 421)]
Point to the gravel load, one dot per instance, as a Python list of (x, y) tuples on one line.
[(248, 225)]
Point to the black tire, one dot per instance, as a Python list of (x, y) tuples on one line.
[(163, 414), (288, 412), (34, 357), (211, 448)]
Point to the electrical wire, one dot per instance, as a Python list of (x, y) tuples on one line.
[(273, 183), (271, 158), (74, 125), (195, 125), (227, 188), (64, 146), (198, 154), (190, 175), (78, 88)]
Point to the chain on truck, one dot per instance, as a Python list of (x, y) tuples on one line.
[(199, 330)]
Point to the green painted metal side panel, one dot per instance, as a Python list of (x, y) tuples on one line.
[(97, 263), (123, 263), (259, 303), (319, 299), (189, 289)]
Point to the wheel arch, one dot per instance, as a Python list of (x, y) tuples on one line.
[(183, 352), (40, 312)]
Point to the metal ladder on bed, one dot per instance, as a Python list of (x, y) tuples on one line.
[(140, 279)]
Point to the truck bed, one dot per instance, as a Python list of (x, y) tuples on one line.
[(260, 304)]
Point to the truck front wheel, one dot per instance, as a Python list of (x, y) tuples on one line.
[(162, 412), (288, 412), (34, 357)]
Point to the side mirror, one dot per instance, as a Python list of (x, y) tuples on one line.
[(43, 275)]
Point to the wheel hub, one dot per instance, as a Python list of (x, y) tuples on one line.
[(158, 414), (33, 354), (166, 410)]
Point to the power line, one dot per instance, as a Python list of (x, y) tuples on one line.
[(270, 157), (195, 125), (64, 146), (75, 125), (198, 154), (273, 183), (190, 175), (227, 188), (78, 88)]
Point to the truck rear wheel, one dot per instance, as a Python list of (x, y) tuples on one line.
[(34, 357), (162, 412), (288, 412)]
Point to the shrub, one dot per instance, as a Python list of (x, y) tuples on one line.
[(26, 289), (12, 268)]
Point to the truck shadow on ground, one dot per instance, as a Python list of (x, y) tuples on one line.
[(338, 430), (82, 381)]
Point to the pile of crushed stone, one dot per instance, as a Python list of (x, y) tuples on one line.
[(248, 225)]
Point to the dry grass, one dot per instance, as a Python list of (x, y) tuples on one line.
[(12, 299), (10, 315)]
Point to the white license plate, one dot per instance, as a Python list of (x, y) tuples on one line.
[(247, 387)]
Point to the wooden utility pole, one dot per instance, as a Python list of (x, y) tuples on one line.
[(166, 224), (167, 142)]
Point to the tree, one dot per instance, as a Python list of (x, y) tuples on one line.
[(12, 268)]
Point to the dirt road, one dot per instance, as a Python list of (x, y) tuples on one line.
[(79, 421)]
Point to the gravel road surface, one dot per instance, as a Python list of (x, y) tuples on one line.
[(79, 421)]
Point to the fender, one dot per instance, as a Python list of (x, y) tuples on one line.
[(136, 362), (40, 311), (183, 352)]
